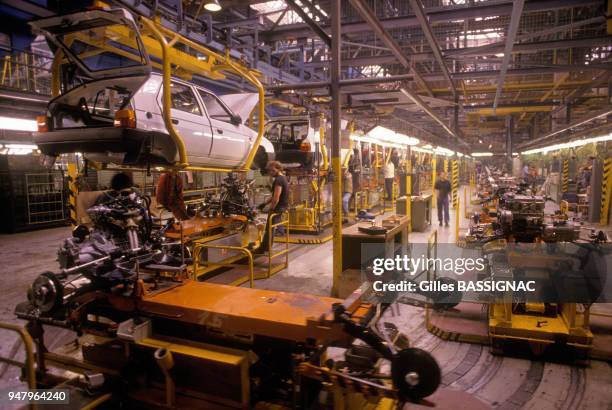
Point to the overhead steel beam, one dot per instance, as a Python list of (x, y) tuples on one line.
[(417, 8), (311, 23), (343, 83), (560, 68), (535, 143), (515, 19), (417, 100), (498, 45), (436, 15), (368, 15), (477, 51), (557, 68), (600, 78)]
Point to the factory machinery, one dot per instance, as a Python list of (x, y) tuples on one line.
[(567, 262), (148, 337)]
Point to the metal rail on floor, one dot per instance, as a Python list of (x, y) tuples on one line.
[(28, 365)]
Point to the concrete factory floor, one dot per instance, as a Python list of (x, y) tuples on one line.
[(468, 369)]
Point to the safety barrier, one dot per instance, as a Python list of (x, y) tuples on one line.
[(285, 251), (197, 253)]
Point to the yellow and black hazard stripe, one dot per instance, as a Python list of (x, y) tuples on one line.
[(73, 192), (606, 191), (565, 176), (455, 181)]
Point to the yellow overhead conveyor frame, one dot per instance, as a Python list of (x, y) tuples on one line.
[(226, 65), (161, 43)]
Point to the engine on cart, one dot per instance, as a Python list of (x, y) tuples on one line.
[(234, 198), (109, 255)]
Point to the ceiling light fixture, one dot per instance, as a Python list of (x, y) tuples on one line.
[(212, 5)]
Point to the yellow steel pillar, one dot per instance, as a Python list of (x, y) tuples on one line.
[(565, 176), (606, 191), (455, 183), (336, 161), (445, 169), (73, 192)]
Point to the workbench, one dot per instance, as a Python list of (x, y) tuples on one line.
[(394, 241)]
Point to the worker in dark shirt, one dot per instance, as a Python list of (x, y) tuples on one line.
[(277, 203), (443, 187)]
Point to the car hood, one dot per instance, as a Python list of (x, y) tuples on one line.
[(241, 104)]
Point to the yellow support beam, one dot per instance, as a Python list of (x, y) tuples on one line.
[(606, 191), (73, 193), (513, 110), (565, 176), (455, 184), (479, 89)]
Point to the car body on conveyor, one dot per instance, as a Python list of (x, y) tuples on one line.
[(110, 103)]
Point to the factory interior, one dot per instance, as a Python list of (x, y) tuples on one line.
[(306, 204)]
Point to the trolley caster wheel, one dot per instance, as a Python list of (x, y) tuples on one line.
[(415, 373), (447, 299)]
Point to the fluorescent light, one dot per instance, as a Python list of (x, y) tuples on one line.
[(482, 154), (570, 144), (17, 124)]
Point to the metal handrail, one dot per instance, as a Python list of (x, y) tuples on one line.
[(28, 365), (198, 249), (284, 221)]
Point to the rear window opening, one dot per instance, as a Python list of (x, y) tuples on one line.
[(95, 110), (287, 135)]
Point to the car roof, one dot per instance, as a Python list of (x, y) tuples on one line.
[(178, 80)]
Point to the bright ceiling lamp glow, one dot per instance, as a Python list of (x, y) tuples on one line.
[(370, 140), (482, 154), (420, 149), (383, 134), (17, 124), (444, 151), (212, 5), (571, 144), (17, 149)]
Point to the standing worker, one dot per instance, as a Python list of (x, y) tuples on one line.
[(347, 192), (389, 174), (443, 187), (278, 202), (355, 170)]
